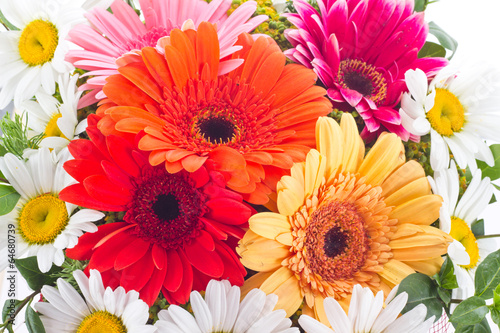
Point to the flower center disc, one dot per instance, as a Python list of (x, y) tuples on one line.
[(447, 115), (52, 129), (101, 322), (364, 78), (38, 42), (216, 129), (42, 219), (336, 242), (166, 207), (149, 39), (462, 233)]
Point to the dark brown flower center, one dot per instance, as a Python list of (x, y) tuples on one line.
[(216, 129), (364, 78)]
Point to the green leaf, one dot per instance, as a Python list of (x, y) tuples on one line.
[(447, 275), (470, 311), (477, 227), (420, 5), (33, 322), (431, 49), (3, 151), (9, 307), (482, 327), (8, 199), (29, 270), (487, 276), (444, 39), (421, 289), (491, 171), (495, 316), (496, 297), (444, 294)]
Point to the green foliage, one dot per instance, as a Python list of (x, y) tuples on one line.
[(421, 289), (491, 171), (16, 138), (431, 49), (487, 276), (446, 277), (444, 39), (33, 322), (477, 227), (8, 199), (10, 306), (28, 268), (6, 23), (469, 312), (482, 327)]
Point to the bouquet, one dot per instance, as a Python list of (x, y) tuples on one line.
[(244, 166)]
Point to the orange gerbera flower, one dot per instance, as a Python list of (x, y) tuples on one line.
[(344, 218), (254, 121)]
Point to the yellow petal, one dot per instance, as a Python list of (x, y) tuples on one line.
[(405, 174), (355, 147), (385, 156), (285, 239), (314, 172), (429, 267), (289, 296), (415, 189), (269, 225), (289, 201), (395, 271), (290, 183), (329, 142), (276, 279), (254, 282), (423, 210), (265, 257)]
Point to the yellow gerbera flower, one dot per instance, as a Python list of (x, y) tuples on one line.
[(344, 218)]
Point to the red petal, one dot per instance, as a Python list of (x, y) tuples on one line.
[(81, 169), (181, 295), (83, 249), (225, 229), (159, 256), (131, 253), (85, 150), (152, 289), (200, 280), (206, 240), (116, 175), (228, 211), (137, 275), (173, 279), (104, 256), (200, 177), (121, 152), (78, 195), (233, 269), (207, 262), (214, 231), (103, 190)]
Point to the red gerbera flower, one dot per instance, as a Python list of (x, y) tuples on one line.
[(177, 228), (253, 122)]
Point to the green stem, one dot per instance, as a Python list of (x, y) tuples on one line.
[(7, 24), (456, 301), (488, 236), (3, 180), (19, 308)]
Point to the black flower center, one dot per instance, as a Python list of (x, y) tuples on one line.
[(335, 242), (166, 207), (216, 130), (358, 82)]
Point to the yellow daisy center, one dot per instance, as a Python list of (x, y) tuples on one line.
[(38, 42), (447, 115), (101, 322), (52, 129), (42, 219), (462, 233)]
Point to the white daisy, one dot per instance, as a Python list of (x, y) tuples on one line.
[(57, 120), (45, 225), (111, 311), (221, 311), (367, 314), (459, 108), (455, 218), (32, 57)]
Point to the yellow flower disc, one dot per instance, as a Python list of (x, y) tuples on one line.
[(38, 42), (42, 219), (52, 129), (447, 115), (101, 322), (462, 233)]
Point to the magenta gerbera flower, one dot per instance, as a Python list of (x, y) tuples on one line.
[(110, 36), (360, 50)]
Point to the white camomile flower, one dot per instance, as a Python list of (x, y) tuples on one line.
[(460, 109), (279, 5), (44, 224), (456, 219), (367, 314), (32, 57), (101, 310), (221, 311), (57, 120)]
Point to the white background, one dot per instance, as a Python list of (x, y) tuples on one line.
[(475, 24)]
